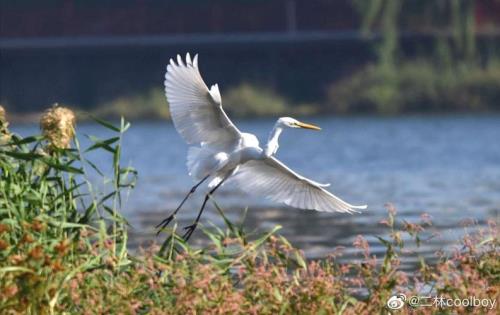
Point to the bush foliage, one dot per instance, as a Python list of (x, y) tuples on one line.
[(63, 250), (413, 86), (244, 100), (417, 86)]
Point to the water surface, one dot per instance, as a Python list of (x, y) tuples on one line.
[(448, 167)]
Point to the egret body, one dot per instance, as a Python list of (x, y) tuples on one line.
[(220, 151)]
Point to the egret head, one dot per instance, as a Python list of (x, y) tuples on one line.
[(294, 123)]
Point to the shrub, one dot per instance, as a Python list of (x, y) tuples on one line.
[(417, 86), (249, 100), (150, 104), (245, 100), (53, 223)]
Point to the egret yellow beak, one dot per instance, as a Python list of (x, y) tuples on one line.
[(307, 126)]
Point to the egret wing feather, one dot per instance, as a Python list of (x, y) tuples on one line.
[(271, 178), (196, 110)]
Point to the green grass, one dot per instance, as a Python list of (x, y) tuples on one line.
[(63, 250)]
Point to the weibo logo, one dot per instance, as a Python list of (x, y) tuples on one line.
[(396, 301)]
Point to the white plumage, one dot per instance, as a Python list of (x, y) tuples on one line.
[(196, 111), (220, 151), (271, 178)]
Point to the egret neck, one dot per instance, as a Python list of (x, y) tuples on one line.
[(272, 143)]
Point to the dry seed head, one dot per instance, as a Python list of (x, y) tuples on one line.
[(4, 132), (2, 115), (58, 126)]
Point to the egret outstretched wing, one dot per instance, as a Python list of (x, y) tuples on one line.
[(197, 111), (274, 180)]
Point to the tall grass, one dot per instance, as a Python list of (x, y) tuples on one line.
[(48, 209), (63, 250)]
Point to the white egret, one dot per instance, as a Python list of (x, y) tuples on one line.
[(220, 151)]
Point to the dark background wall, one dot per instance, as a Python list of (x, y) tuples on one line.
[(145, 17), (89, 76), (85, 52)]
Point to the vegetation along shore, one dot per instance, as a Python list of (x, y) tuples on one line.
[(63, 249)]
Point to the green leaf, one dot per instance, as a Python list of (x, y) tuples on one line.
[(17, 141), (26, 156), (228, 223), (300, 260), (62, 167), (128, 170), (105, 144), (15, 269), (383, 241), (69, 225), (103, 200), (106, 124), (94, 167), (124, 125), (264, 238)]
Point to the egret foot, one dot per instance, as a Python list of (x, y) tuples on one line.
[(163, 224), (189, 231)]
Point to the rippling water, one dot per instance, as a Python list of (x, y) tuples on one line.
[(446, 166)]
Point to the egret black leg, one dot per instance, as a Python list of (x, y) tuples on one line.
[(168, 219), (190, 229)]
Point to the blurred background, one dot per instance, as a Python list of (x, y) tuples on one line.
[(407, 93)]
